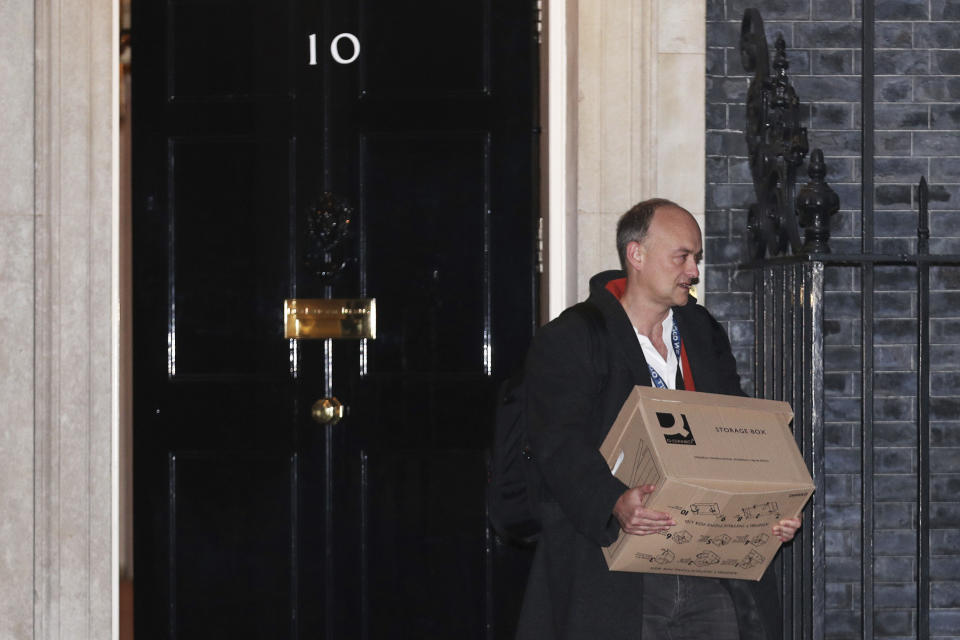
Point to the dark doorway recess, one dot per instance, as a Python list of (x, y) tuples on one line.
[(251, 519)]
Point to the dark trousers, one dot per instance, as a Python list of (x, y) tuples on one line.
[(687, 608)]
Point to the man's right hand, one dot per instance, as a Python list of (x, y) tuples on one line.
[(635, 518)]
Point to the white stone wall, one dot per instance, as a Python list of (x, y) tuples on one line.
[(57, 319), (640, 116), (16, 318), (636, 124)]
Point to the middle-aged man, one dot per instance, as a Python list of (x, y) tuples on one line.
[(652, 335)]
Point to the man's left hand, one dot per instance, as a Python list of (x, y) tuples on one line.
[(786, 529)]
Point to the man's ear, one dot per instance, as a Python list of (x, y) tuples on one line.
[(635, 254)]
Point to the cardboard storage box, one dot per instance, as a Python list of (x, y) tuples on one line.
[(725, 468)]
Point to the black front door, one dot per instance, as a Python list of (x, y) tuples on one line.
[(418, 120)]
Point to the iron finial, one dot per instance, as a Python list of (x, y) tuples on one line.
[(817, 202)]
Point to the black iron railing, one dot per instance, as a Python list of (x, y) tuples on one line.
[(789, 319)]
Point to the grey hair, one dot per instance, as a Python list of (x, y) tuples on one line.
[(634, 224)]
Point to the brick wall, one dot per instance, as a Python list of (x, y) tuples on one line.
[(917, 117)]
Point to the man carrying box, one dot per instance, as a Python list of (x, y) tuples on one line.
[(650, 336)]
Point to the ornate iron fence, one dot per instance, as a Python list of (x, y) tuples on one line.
[(789, 318)]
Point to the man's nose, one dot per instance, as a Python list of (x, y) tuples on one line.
[(693, 269)]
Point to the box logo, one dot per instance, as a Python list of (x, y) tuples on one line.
[(675, 433)]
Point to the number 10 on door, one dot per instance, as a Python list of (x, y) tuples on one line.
[(352, 42)]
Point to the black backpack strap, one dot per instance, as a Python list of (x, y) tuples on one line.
[(599, 344)]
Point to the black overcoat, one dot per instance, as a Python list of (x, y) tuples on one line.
[(574, 396)]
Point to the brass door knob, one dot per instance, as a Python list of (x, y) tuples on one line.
[(327, 411)]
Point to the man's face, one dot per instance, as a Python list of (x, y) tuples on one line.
[(668, 257)]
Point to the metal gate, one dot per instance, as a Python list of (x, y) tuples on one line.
[(789, 318)]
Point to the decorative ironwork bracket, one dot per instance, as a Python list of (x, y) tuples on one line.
[(777, 145), (328, 228)]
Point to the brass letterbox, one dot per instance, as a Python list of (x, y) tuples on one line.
[(320, 318)]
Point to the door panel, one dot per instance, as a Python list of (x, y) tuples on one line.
[(229, 49), (252, 520), (425, 542), (230, 217), (428, 269), (425, 49), (229, 515)]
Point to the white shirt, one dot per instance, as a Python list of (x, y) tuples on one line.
[(666, 368)]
